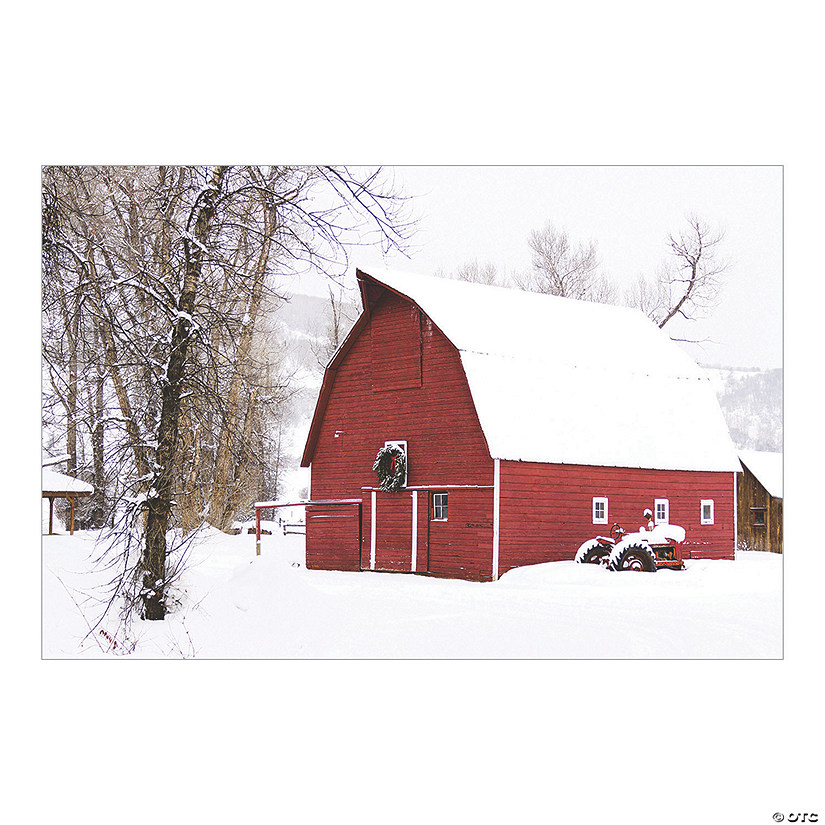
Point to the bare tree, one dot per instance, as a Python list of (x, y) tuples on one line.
[(341, 313), (560, 267), (476, 273), (688, 284), (167, 273)]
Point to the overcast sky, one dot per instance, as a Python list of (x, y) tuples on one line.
[(487, 212)]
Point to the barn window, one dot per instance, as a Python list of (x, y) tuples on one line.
[(439, 506), (759, 516), (707, 511), (599, 510), (661, 511)]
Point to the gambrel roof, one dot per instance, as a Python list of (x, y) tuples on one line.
[(556, 380)]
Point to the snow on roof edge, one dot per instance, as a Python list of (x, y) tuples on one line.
[(54, 482), (768, 469)]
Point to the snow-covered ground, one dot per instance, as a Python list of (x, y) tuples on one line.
[(235, 604)]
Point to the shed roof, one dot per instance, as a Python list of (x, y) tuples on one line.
[(54, 482), (767, 467)]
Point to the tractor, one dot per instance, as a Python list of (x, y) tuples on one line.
[(648, 550)]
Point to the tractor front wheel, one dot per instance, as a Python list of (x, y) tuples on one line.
[(635, 557)]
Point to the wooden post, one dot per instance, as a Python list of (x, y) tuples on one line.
[(51, 511), (71, 507), (257, 531)]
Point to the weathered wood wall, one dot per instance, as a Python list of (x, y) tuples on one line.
[(752, 494)]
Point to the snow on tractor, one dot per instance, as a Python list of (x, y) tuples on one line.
[(647, 550)]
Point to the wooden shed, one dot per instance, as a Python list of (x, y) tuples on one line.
[(527, 424), (759, 501), (58, 485)]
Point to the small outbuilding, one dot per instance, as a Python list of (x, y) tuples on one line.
[(759, 501), (466, 430), (59, 485)]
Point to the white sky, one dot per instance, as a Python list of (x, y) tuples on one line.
[(487, 212)]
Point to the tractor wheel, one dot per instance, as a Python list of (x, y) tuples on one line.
[(592, 552), (634, 557)]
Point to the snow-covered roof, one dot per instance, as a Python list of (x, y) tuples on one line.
[(59, 483), (556, 380), (767, 467)]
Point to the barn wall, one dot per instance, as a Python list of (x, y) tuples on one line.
[(427, 404), (546, 509), (751, 494), (336, 532), (462, 546)]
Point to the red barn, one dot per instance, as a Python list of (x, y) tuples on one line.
[(528, 423)]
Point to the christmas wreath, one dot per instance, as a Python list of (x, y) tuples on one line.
[(391, 468)]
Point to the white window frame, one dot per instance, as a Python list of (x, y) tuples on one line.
[(665, 505), (446, 506), (597, 500), (706, 502), (403, 447)]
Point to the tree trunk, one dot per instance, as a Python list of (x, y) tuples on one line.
[(160, 495), (99, 511), (224, 489), (71, 410)]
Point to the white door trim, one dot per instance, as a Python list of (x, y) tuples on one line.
[(372, 530), (496, 511), (414, 542)]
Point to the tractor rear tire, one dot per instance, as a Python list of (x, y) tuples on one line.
[(635, 557), (592, 552)]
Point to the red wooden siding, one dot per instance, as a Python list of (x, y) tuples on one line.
[(437, 419), (463, 545), (546, 509), (335, 537), (396, 348)]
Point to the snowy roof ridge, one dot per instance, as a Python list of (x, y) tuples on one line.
[(507, 321), (556, 380)]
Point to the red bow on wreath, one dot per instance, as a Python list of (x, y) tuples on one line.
[(391, 467)]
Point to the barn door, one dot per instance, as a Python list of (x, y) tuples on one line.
[(333, 537), (395, 531)]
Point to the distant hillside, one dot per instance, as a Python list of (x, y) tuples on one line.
[(303, 328), (751, 401)]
